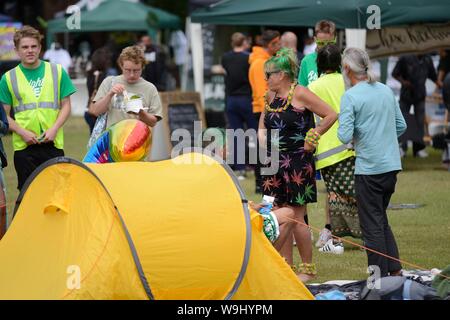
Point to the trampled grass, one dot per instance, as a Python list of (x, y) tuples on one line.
[(423, 234)]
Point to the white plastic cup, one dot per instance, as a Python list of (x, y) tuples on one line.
[(134, 105)]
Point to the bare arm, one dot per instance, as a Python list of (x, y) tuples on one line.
[(28, 136), (262, 132), (148, 118), (304, 97), (101, 106)]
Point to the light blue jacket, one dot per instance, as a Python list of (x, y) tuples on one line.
[(370, 117)]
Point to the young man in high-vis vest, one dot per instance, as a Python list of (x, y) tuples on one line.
[(38, 93)]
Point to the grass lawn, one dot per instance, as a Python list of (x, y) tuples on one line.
[(422, 234)]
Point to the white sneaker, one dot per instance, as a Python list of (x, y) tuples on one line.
[(329, 247), (324, 236), (422, 154)]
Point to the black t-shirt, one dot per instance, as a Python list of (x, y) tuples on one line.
[(155, 69), (444, 63), (416, 69), (236, 79), (90, 81)]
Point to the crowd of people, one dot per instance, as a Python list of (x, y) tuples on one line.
[(326, 108), (332, 117), (35, 103)]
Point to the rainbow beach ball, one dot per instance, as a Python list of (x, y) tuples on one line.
[(127, 140)]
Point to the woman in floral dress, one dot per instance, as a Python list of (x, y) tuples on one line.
[(289, 112)]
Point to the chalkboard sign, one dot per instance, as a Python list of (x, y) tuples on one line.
[(182, 116), (181, 110)]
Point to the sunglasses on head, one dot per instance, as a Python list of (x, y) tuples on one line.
[(269, 73), (325, 42)]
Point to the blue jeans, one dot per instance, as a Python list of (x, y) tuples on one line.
[(239, 112)]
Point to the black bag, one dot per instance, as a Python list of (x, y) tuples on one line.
[(439, 141), (3, 156), (399, 288)]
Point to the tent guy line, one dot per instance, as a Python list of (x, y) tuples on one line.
[(365, 248)]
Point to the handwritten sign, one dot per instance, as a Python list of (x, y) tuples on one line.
[(407, 39)]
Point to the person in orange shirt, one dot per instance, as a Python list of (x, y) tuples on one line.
[(271, 43)]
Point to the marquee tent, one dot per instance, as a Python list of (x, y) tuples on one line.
[(118, 15), (346, 13)]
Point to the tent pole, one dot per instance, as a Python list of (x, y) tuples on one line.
[(383, 69), (355, 38), (196, 42)]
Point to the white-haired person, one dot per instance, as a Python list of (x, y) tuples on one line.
[(370, 117)]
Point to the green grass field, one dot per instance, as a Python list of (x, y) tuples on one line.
[(422, 234)]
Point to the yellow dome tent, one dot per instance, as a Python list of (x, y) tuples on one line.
[(174, 229)]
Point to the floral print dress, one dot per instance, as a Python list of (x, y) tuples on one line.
[(294, 183)]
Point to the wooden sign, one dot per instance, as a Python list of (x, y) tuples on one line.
[(407, 39)]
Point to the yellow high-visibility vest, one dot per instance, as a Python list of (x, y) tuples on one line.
[(330, 88), (36, 114)]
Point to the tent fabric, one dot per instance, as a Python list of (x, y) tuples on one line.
[(119, 15), (346, 14), (174, 229)]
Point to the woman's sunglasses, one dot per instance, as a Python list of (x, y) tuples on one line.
[(269, 73)]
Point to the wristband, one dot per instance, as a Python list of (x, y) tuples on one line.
[(312, 137)]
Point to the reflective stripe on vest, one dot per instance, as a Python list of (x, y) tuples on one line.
[(29, 106), (333, 151), (15, 86)]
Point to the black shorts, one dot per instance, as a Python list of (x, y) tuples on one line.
[(28, 159)]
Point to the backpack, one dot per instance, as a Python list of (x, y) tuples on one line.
[(399, 288)]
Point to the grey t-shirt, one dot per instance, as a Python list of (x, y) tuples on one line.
[(144, 89)]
